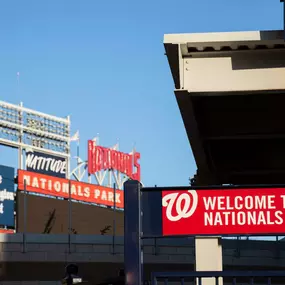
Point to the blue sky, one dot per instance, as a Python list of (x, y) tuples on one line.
[(103, 63)]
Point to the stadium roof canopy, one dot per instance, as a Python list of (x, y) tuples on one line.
[(230, 88)]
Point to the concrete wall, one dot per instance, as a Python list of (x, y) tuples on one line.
[(87, 248), (45, 256), (237, 70)]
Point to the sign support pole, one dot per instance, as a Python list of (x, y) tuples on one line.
[(69, 216), (25, 216), (208, 257), (114, 218), (132, 233)]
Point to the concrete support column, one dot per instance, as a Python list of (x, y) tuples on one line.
[(209, 256)]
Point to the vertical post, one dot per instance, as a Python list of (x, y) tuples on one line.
[(114, 219), (20, 166), (69, 216), (78, 160), (284, 18), (25, 215), (277, 248), (209, 257), (110, 178), (20, 151), (132, 233), (68, 175)]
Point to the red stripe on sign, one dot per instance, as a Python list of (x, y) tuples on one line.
[(59, 187), (223, 212)]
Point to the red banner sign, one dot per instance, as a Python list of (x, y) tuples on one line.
[(102, 158), (223, 212), (6, 231), (54, 186)]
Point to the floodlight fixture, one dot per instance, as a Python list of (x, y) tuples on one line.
[(26, 128)]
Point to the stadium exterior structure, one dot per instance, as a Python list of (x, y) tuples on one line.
[(38, 257)]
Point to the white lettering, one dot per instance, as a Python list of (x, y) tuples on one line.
[(237, 205), (73, 190), (104, 196), (283, 200), (226, 214), (279, 219), (221, 203), (6, 195), (111, 196), (251, 218), (260, 202), (43, 183), (65, 188), (60, 187), (57, 186), (218, 219), (261, 219), (35, 182), (229, 207), (118, 195), (48, 164), (268, 216), (80, 194), (26, 178), (209, 203), (248, 201), (241, 218), (96, 193), (271, 201), (208, 219), (86, 192)]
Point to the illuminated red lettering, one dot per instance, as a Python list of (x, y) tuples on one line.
[(118, 160), (98, 158), (90, 157), (129, 165), (137, 174), (109, 155), (114, 156), (105, 158), (122, 163), (101, 158)]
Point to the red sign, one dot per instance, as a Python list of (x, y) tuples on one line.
[(54, 186), (102, 158), (223, 212), (6, 231)]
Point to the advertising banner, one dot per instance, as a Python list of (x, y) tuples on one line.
[(6, 231), (46, 164), (223, 212), (59, 187), (7, 196)]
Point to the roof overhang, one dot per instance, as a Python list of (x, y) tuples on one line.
[(230, 88), (179, 46)]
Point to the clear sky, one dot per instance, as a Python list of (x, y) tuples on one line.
[(103, 63)]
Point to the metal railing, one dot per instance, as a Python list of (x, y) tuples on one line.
[(229, 277)]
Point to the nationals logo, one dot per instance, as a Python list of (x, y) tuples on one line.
[(180, 205)]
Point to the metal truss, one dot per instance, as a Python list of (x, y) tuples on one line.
[(27, 129)]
